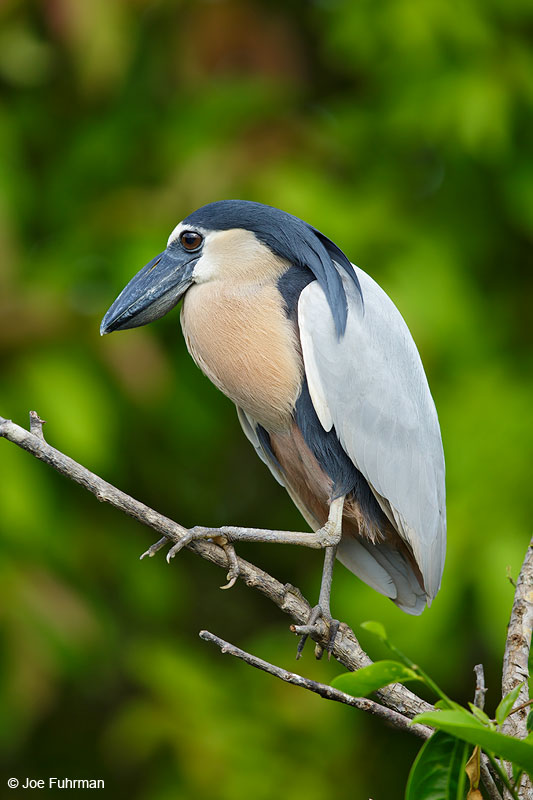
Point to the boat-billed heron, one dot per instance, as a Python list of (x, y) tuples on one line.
[(328, 383)]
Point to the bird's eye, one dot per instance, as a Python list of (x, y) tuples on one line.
[(191, 240)]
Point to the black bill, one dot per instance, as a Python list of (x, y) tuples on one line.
[(156, 289)]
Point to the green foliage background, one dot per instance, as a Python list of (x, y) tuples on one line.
[(402, 130)]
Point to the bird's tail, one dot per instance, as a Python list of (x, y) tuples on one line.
[(386, 569)]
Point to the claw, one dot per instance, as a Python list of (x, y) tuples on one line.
[(301, 643), (233, 564), (185, 539), (176, 548), (164, 541), (231, 577), (154, 548)]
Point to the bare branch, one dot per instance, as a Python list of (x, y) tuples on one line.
[(479, 695), (487, 779), (515, 660), (479, 701), (35, 444), (289, 599), (322, 689)]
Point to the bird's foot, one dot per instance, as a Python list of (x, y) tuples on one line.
[(311, 627), (233, 564), (329, 535)]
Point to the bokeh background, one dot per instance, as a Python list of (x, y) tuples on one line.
[(402, 129)]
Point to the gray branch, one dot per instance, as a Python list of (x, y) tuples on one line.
[(322, 689), (481, 689), (516, 657), (289, 599), (515, 660), (479, 701)]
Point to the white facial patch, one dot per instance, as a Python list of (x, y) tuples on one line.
[(175, 233), (183, 226), (208, 266), (238, 256), (235, 254)]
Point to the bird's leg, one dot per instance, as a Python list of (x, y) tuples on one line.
[(323, 608), (320, 610), (326, 538)]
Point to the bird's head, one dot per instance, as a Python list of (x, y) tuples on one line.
[(230, 240)]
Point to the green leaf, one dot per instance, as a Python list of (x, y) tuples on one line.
[(439, 770), (480, 715), (376, 628), (467, 727), (507, 703), (375, 676), (529, 722)]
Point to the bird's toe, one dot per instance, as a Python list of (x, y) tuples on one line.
[(312, 627)]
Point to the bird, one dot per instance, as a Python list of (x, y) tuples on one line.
[(328, 384)]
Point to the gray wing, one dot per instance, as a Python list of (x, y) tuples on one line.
[(371, 386)]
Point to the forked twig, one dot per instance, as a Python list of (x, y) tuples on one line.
[(322, 689)]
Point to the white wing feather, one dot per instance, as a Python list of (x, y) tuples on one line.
[(372, 387)]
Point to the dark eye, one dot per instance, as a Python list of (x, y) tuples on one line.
[(191, 240)]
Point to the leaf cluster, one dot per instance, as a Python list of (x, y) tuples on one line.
[(446, 767)]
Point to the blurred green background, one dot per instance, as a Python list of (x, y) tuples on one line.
[(402, 130)]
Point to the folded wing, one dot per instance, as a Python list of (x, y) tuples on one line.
[(371, 387)]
